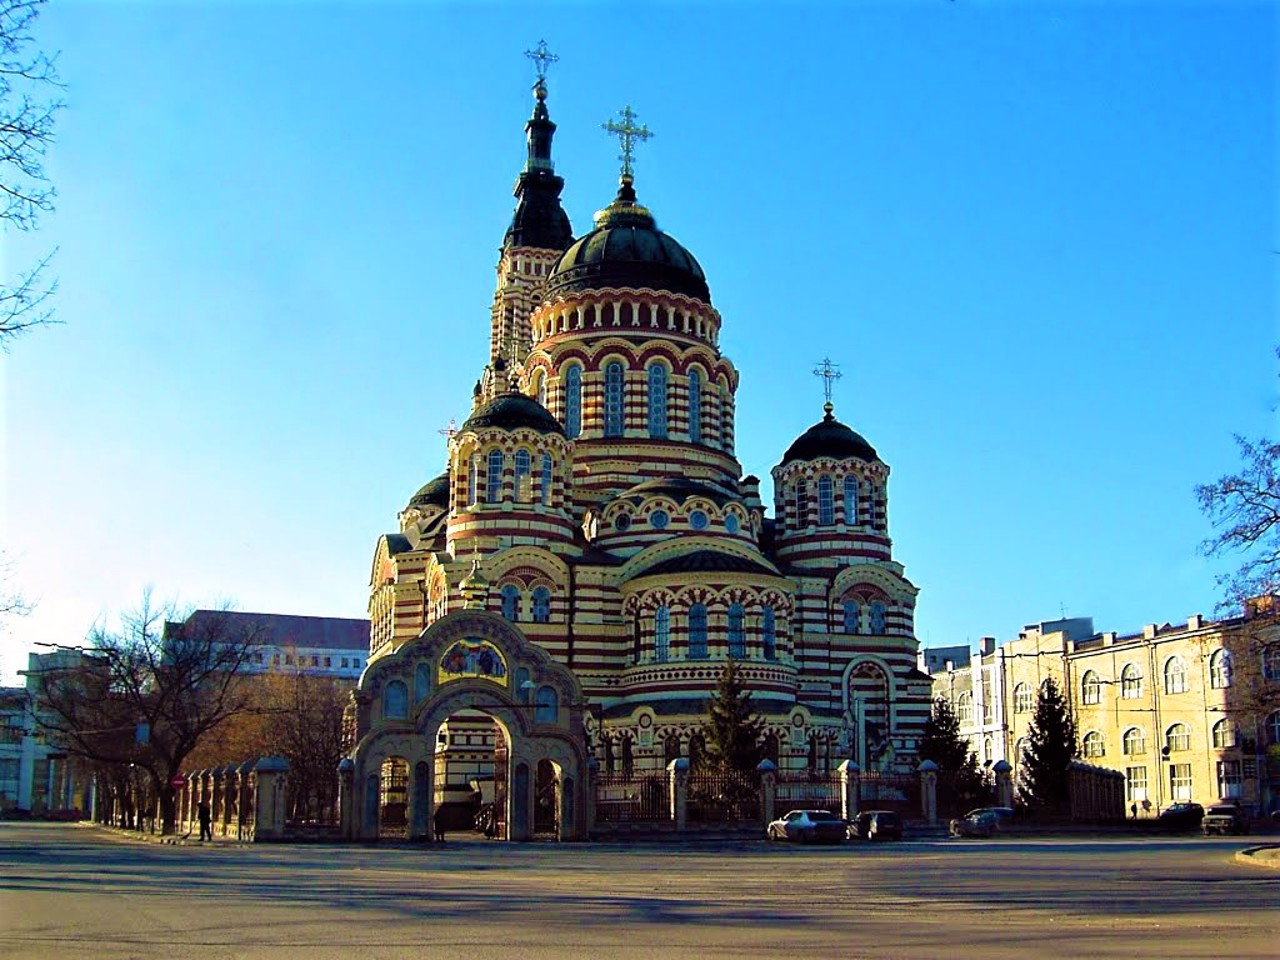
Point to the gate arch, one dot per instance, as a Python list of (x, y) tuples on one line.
[(470, 660)]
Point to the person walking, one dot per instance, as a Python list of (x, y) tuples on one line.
[(205, 816)]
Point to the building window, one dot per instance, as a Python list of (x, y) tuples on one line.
[(511, 603), (524, 476), (473, 479), (613, 399), (545, 493), (1271, 661), (1178, 738), (1220, 670), (698, 520), (346, 661), (540, 388), (826, 501), (1093, 745), (852, 617), (1175, 676), (1273, 728), (731, 525), (698, 632), (662, 634), (573, 401), (737, 632), (695, 406), (1180, 781), (964, 709), (541, 605), (800, 505), (1135, 784), (395, 701), (659, 519), (851, 500), (769, 633), (1023, 701), (657, 401), (1130, 682), (1230, 781), (877, 618), (546, 707), (1135, 742), (493, 477), (1224, 734), (1091, 688), (622, 523)]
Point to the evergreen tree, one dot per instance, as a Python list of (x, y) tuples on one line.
[(733, 730), (959, 779), (1051, 746)]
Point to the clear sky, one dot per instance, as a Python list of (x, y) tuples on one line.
[(1040, 239)]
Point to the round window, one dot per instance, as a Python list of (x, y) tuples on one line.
[(698, 520), (622, 523), (731, 523), (659, 519)]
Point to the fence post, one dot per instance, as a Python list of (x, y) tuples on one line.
[(849, 789), (1004, 783), (678, 779), (269, 805), (929, 791), (589, 811), (346, 797), (768, 791)]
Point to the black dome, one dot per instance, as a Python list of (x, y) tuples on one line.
[(512, 411), (830, 438), (626, 249), (678, 489), (433, 492)]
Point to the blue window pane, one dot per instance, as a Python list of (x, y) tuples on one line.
[(546, 705), (698, 520), (573, 402), (659, 519), (737, 633), (662, 634), (473, 475), (657, 401), (541, 605), (851, 500), (769, 633), (511, 602), (852, 617), (877, 617), (545, 492), (826, 501), (695, 406), (613, 400), (524, 475), (395, 701), (493, 480), (697, 632), (731, 523)]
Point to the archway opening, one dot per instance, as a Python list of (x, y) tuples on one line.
[(546, 809), (393, 799), (869, 695), (470, 788)]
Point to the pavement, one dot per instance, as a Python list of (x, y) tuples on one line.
[(1263, 856)]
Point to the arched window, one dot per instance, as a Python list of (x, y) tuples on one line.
[(1023, 699), (1130, 682), (544, 493), (1271, 662), (662, 634), (546, 707), (395, 701), (524, 476), (769, 633), (1220, 670), (473, 479), (1178, 738), (1175, 676), (852, 617), (511, 602), (540, 387), (1273, 728), (573, 401), (877, 618), (737, 632), (1093, 746), (1091, 688), (493, 477), (1019, 751), (698, 632), (541, 605), (851, 500), (826, 500), (695, 407), (523, 684), (657, 401), (613, 399), (1135, 742), (421, 682), (1224, 734), (800, 505), (964, 709)]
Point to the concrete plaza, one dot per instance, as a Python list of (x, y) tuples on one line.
[(68, 890)]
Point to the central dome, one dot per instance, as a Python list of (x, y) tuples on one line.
[(626, 249)]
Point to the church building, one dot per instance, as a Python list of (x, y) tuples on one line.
[(592, 555)]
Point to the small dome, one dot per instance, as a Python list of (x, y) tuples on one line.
[(830, 438), (435, 492), (511, 411), (626, 249), (707, 561), (678, 489)]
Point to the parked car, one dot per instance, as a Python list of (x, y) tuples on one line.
[(808, 826), (876, 825), (1224, 818), (982, 822), (1180, 816)]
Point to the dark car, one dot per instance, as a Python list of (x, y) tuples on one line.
[(1223, 819), (1180, 816), (808, 826), (876, 825), (982, 822)]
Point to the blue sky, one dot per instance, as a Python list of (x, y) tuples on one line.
[(1040, 240)]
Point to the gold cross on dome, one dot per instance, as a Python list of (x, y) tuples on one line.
[(829, 372), (628, 135), (542, 58)]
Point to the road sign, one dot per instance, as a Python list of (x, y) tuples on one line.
[(178, 781)]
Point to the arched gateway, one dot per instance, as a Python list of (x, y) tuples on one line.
[(468, 661)]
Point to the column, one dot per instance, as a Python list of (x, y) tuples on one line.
[(929, 791), (768, 791), (849, 789), (678, 780)]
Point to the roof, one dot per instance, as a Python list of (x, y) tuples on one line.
[(512, 411), (678, 489), (289, 630), (830, 438), (433, 491), (707, 561)]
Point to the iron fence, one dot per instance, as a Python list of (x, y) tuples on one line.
[(723, 797), (899, 792), (803, 790), (623, 798)]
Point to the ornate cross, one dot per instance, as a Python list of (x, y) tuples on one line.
[(628, 134), (542, 58), (829, 372), (450, 430)]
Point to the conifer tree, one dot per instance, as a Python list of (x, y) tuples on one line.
[(733, 729), (1051, 746), (959, 779)]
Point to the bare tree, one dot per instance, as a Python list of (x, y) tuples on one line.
[(143, 695), (1244, 508), (29, 105)]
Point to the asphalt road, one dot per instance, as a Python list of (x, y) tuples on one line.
[(71, 891)]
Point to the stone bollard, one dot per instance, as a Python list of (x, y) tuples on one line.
[(849, 789), (929, 791), (346, 798), (1004, 783), (678, 779), (768, 791), (269, 804)]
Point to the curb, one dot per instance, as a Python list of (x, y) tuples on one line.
[(1262, 856), (120, 833)]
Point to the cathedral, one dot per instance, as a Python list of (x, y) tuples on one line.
[(593, 552)]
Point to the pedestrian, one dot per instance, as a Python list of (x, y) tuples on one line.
[(437, 821), (204, 815), (1133, 809)]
